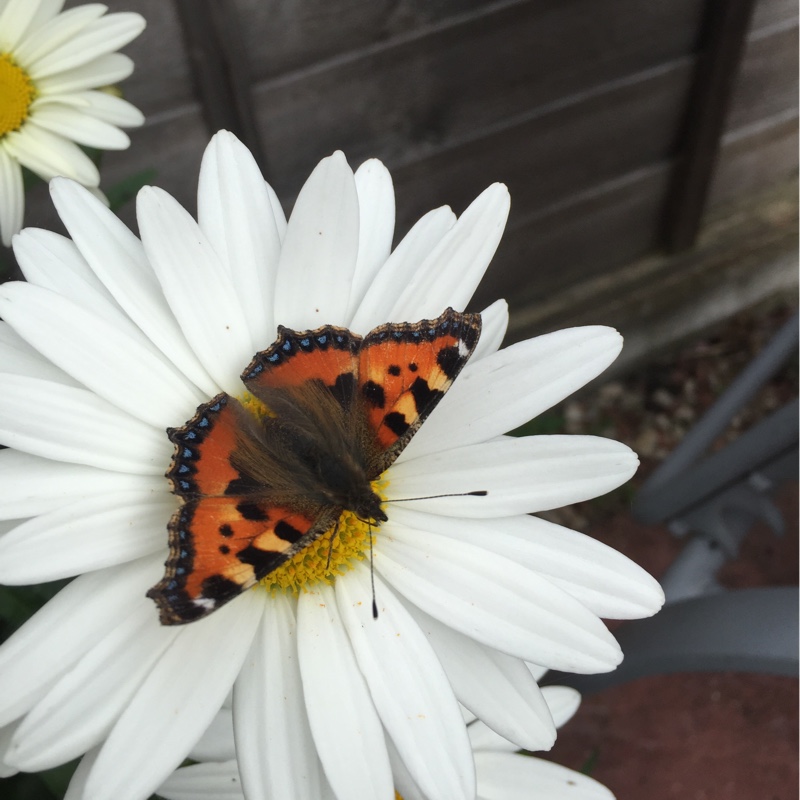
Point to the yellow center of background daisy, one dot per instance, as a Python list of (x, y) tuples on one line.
[(16, 94), (311, 565)]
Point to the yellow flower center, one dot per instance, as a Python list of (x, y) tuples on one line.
[(334, 553), (16, 94)]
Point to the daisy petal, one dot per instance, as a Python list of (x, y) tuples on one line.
[(375, 228), (33, 485), (482, 737), (108, 108), (496, 687), (78, 617), (320, 249), (452, 271), (563, 702), (216, 744), (277, 211), (508, 388), (207, 308), (80, 710), (213, 781), (494, 323), (12, 197), (19, 358), (510, 776), (55, 32), (46, 11), (105, 70), (123, 369), (80, 127), (406, 259), (346, 728), (547, 627), (605, 581), (118, 259), (32, 414), (15, 20), (519, 476), (175, 703), (276, 753), (235, 213), (6, 733), (77, 783), (87, 535), (408, 686), (50, 155), (99, 38)]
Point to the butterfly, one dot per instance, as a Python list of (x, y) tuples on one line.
[(258, 488)]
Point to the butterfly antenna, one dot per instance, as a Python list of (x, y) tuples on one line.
[(372, 576), (477, 493), (330, 544)]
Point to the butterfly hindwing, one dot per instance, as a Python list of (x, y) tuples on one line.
[(404, 371)]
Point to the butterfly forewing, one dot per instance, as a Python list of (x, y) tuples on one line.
[(405, 370)]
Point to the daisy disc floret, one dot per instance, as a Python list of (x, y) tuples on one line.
[(112, 340), (53, 67)]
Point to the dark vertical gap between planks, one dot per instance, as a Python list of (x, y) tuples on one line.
[(220, 70), (723, 38)]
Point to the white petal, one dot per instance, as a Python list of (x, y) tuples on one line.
[(498, 393), (214, 781), (86, 535), (483, 737), (12, 197), (78, 617), (123, 369), (494, 323), (78, 781), (55, 32), (605, 581), (547, 627), (519, 476), (235, 213), (563, 702), (50, 155), (83, 706), (102, 71), (33, 485), (107, 107), (6, 732), (100, 37), (46, 11), (15, 21), (80, 127), (496, 687), (68, 424), (216, 744), (277, 756), (509, 776), (375, 227), (19, 358), (277, 211), (407, 258), (344, 723), (453, 270), (118, 259), (175, 703), (319, 251), (408, 686), (198, 290)]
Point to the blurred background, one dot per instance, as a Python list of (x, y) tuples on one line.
[(651, 153)]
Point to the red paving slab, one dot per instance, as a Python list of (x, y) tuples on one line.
[(695, 736)]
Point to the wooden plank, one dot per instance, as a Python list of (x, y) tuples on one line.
[(767, 82), (755, 158), (403, 99), (570, 244), (548, 157), (726, 27)]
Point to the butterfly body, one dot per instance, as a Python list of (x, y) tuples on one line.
[(258, 487)]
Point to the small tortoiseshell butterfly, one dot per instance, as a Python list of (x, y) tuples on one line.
[(257, 489)]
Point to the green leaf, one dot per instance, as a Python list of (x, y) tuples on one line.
[(124, 191)]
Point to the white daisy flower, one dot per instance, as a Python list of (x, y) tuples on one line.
[(113, 339), (502, 772), (52, 64)]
